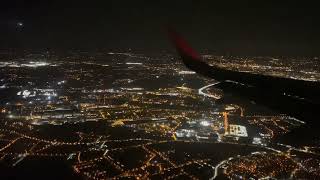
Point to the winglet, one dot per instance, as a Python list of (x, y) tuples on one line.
[(190, 58), (181, 45)]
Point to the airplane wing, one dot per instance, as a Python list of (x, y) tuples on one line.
[(296, 98)]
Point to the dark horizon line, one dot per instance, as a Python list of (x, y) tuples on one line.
[(20, 50)]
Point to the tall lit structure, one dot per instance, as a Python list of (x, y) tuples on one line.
[(225, 122), (241, 111)]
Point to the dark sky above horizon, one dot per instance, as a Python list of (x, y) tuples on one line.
[(245, 28)]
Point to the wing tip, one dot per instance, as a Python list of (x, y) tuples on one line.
[(181, 45)]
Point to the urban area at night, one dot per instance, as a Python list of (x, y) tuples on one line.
[(99, 115), (152, 90)]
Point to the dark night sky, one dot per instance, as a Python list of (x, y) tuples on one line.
[(241, 28)]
